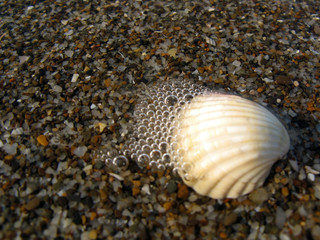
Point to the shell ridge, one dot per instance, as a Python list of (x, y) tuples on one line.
[(244, 165), (230, 143), (247, 186)]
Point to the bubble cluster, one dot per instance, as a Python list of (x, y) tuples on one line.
[(152, 140)]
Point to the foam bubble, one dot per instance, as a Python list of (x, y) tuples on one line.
[(153, 134)]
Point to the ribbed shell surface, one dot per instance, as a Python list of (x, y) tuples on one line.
[(226, 145)]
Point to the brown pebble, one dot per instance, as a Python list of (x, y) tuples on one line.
[(8, 157), (27, 116), (283, 79), (285, 191), (167, 205), (259, 195), (93, 234), (183, 192), (93, 216), (230, 219), (83, 219), (96, 140), (104, 194), (316, 29), (260, 90), (107, 82), (86, 88), (135, 191), (32, 204), (42, 140)]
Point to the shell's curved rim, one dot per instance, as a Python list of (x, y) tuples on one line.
[(245, 186), (200, 172)]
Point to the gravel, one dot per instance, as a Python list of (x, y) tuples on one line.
[(71, 73)]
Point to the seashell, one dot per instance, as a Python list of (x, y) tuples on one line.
[(225, 145)]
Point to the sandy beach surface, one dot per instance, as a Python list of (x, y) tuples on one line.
[(71, 74)]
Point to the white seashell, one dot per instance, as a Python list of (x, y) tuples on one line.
[(225, 145)]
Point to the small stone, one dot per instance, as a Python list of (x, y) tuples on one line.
[(23, 59), (32, 204), (285, 191), (259, 195), (101, 126), (183, 192), (135, 191), (236, 63), (95, 140), (80, 151), (315, 232), (172, 186), (230, 219), (260, 90), (146, 189), (75, 77), (267, 80), (57, 89), (8, 157), (223, 235), (172, 52), (167, 205), (93, 216), (69, 53), (107, 82), (42, 140), (280, 217), (11, 149), (283, 79), (64, 22), (136, 183), (316, 29), (103, 194)]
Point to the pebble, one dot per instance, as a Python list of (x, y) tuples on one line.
[(10, 148), (93, 234), (259, 195), (280, 217), (230, 219), (80, 151), (183, 191), (33, 203), (42, 139), (171, 186), (285, 191)]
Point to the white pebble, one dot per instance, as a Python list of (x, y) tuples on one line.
[(17, 131), (280, 217), (10, 148), (64, 22), (75, 77), (70, 32), (80, 151), (292, 113), (146, 189), (57, 89), (23, 59), (267, 80), (69, 53), (294, 165), (311, 177), (236, 63)]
